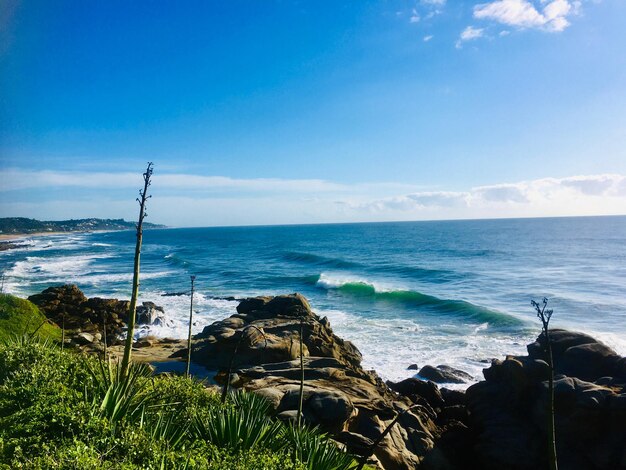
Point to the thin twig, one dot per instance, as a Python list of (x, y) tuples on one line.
[(232, 358)]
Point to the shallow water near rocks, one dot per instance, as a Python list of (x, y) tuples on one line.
[(179, 368)]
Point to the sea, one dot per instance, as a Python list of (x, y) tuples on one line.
[(447, 292)]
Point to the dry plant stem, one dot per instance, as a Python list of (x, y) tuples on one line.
[(551, 427), (104, 334), (132, 310), (301, 375), (232, 358), (193, 279), (364, 458), (545, 315), (38, 328)]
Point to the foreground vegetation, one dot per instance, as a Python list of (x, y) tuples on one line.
[(60, 409)]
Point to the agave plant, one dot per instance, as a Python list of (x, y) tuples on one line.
[(315, 449), (240, 427), (251, 401), (116, 395), (19, 341), (163, 426)]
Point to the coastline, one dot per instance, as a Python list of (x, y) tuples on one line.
[(20, 236), (4, 237)]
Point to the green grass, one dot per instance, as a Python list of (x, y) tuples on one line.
[(60, 409), (19, 317)]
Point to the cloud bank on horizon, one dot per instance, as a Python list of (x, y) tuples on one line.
[(194, 200)]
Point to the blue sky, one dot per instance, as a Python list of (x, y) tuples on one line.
[(320, 111)]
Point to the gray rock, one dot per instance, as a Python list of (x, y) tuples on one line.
[(84, 338), (288, 416), (272, 395), (150, 314), (143, 343), (416, 389), (330, 409), (355, 443), (444, 374)]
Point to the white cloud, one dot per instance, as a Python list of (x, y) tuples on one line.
[(549, 15), (501, 193), (427, 9), (594, 185), (428, 38), (439, 198), (468, 34), (15, 179)]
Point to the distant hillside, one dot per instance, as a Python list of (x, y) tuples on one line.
[(21, 225)]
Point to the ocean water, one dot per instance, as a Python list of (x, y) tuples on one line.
[(454, 292)]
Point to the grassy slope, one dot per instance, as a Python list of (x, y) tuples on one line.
[(19, 316)]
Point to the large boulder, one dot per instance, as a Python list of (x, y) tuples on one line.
[(579, 355), (267, 330), (418, 390), (444, 374), (148, 313)]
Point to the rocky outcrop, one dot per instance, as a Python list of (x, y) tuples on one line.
[(68, 306), (339, 395), (267, 330), (499, 423), (509, 410), (579, 355)]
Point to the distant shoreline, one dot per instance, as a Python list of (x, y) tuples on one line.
[(21, 236)]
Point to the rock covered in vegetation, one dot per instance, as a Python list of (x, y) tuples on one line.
[(509, 410), (339, 395)]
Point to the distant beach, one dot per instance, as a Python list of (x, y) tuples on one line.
[(21, 236)]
